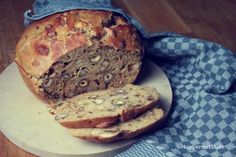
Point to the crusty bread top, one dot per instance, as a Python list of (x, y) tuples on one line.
[(46, 40)]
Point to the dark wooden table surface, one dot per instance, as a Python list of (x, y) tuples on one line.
[(209, 20)]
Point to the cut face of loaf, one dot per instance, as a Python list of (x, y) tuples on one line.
[(105, 108), (124, 130), (78, 51), (90, 69)]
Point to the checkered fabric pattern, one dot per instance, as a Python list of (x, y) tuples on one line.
[(203, 79)]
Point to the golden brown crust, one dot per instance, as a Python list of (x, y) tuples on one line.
[(46, 40), (132, 113), (102, 122), (31, 84)]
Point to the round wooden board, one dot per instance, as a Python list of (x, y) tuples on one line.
[(25, 120)]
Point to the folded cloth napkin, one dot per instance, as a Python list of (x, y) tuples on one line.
[(203, 80)]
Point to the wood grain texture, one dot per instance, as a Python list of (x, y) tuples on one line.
[(8, 149), (206, 19), (154, 15), (210, 20)]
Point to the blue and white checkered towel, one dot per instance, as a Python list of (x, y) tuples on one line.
[(203, 79)]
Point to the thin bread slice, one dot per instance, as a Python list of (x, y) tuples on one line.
[(102, 109), (123, 130)]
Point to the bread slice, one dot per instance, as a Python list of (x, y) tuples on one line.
[(102, 109), (123, 130)]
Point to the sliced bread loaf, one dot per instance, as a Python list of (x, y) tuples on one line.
[(124, 130), (78, 51), (102, 109)]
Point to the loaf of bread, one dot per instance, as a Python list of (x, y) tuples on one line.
[(124, 130), (78, 51), (104, 108)]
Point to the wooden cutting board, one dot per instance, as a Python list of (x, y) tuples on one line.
[(13, 27), (26, 122)]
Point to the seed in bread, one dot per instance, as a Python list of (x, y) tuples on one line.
[(105, 108)]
